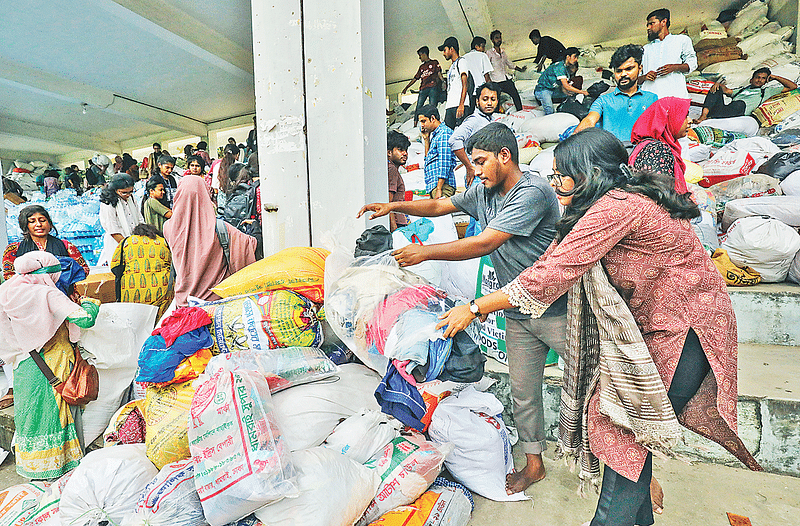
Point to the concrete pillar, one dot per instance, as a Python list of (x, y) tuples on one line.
[(320, 106), (3, 233)]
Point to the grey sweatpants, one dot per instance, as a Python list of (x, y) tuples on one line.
[(527, 343)]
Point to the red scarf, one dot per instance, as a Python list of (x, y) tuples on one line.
[(661, 122)]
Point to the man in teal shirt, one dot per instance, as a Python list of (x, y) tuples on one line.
[(618, 110), (745, 100), (554, 82)]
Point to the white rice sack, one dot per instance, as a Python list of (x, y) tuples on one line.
[(363, 435), (170, 499), (694, 151), (737, 79), (784, 208), (543, 163), (106, 485), (755, 27), (334, 491), (308, 413), (794, 270), (19, 502), (713, 25), (731, 66), (765, 53), (767, 245), (549, 127), (791, 184), (760, 39), (747, 16), (746, 124), (481, 458)]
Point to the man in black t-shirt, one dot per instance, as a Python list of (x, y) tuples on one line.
[(549, 47)]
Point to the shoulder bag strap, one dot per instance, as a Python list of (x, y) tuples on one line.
[(48, 373)]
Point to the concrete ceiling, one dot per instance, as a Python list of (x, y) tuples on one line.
[(140, 67), (146, 68)]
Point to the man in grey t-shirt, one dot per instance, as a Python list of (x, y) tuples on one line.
[(518, 212)]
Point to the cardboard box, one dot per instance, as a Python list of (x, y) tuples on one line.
[(778, 108), (99, 286)]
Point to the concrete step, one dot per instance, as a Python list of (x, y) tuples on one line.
[(769, 408), (767, 314)]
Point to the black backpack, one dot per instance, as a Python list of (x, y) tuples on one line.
[(241, 206), (242, 203)]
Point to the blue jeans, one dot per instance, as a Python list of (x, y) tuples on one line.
[(431, 95), (545, 98)]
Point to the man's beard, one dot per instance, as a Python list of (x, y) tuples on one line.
[(651, 36), (627, 85)]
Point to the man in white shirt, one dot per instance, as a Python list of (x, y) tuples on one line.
[(667, 58), (479, 66), (499, 59), (457, 104)]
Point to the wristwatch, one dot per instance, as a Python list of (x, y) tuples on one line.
[(474, 309)]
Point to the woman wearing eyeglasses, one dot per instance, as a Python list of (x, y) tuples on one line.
[(651, 333), (118, 213)]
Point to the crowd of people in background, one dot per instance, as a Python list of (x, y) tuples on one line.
[(180, 240)]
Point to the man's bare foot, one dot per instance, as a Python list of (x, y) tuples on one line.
[(656, 496), (532, 472)]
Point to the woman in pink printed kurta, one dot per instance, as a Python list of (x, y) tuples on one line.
[(672, 289)]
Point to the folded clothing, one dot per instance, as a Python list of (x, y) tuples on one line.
[(158, 361), (180, 322)]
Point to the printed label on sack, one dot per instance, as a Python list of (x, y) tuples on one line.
[(492, 336)]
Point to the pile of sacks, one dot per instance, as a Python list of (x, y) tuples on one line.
[(26, 172), (248, 411), (76, 217), (748, 190)]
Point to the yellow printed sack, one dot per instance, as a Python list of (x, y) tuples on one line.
[(300, 269), (733, 275), (267, 320), (166, 411)]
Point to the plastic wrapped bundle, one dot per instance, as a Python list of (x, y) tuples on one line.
[(241, 459), (282, 368)]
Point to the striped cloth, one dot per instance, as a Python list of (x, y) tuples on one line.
[(607, 357)]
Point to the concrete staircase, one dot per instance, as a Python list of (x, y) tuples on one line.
[(768, 318)]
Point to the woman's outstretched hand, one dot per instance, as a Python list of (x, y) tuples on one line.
[(456, 319)]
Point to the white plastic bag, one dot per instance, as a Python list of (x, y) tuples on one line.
[(407, 467), (784, 208), (19, 502), (705, 227), (746, 124), (353, 288), (241, 460), (308, 413), (282, 367), (794, 269), (471, 421), (115, 341), (766, 245), (749, 186), (363, 435), (334, 491), (105, 487), (549, 127), (170, 499), (791, 184), (747, 16)]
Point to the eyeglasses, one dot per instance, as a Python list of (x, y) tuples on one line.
[(555, 178)]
